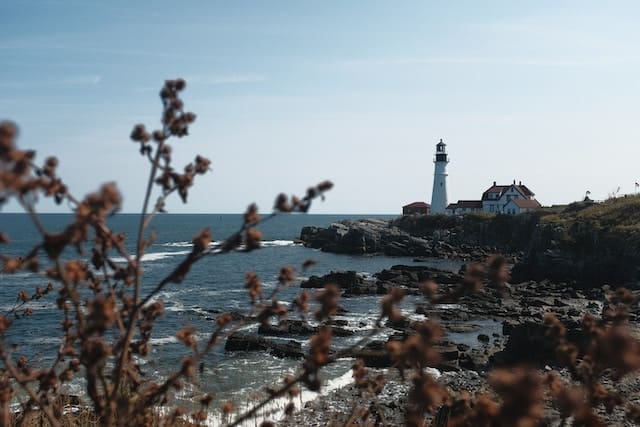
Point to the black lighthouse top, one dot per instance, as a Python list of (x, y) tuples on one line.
[(441, 152)]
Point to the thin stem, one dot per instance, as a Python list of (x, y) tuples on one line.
[(138, 283)]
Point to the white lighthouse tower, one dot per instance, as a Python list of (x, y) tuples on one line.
[(439, 193)]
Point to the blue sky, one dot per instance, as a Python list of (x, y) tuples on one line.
[(290, 93)]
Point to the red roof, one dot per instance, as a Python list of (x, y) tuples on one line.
[(526, 203), (417, 205)]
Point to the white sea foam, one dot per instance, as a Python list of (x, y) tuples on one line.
[(33, 305), (45, 340), (268, 243), (163, 340), (435, 374), (175, 307), (224, 292), (154, 256), (178, 244), (265, 243), (273, 410), (276, 407)]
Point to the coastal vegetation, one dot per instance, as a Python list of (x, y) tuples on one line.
[(566, 353)]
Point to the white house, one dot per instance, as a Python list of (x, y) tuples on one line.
[(508, 199)]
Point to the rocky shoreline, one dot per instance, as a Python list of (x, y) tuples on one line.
[(518, 336), (521, 340), (568, 263)]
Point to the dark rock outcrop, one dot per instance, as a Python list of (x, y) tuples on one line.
[(369, 236), (244, 342), (529, 344), (374, 236), (412, 275), (299, 327), (349, 281), (404, 276)]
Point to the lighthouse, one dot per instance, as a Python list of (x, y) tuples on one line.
[(439, 193)]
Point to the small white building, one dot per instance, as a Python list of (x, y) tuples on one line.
[(506, 199), (464, 207), (516, 206)]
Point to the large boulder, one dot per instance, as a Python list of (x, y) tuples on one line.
[(244, 342), (349, 281), (528, 343), (367, 236), (299, 327), (412, 275)]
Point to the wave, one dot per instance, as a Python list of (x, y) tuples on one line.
[(276, 407), (37, 305), (268, 243), (154, 256), (163, 340), (177, 244), (265, 243), (45, 340)]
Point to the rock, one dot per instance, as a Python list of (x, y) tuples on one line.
[(528, 343), (288, 327), (374, 355), (298, 327), (369, 236), (483, 338), (460, 327), (463, 348), (349, 281), (412, 275), (243, 342)]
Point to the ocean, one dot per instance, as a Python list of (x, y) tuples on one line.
[(214, 285)]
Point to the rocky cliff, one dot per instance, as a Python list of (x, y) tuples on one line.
[(590, 245), (585, 243)]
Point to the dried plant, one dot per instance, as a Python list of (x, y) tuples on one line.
[(107, 321)]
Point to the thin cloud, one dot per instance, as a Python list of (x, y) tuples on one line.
[(213, 80), (226, 79), (45, 47), (92, 79), (536, 62), (79, 80)]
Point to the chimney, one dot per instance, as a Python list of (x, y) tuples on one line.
[(519, 182), (514, 182), (494, 183)]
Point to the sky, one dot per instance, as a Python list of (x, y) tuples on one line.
[(290, 93)]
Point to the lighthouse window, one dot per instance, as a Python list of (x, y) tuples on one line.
[(440, 184)]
